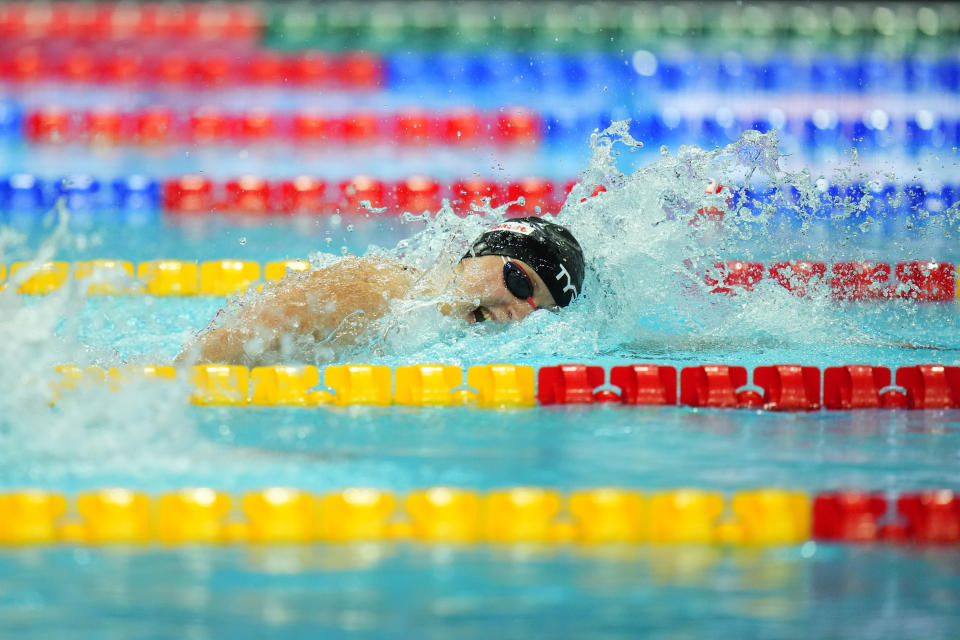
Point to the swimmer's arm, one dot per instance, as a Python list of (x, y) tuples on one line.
[(258, 330), (332, 303)]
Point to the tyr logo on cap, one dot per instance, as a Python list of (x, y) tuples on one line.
[(569, 286)]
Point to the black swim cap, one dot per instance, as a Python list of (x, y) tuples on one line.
[(551, 250)]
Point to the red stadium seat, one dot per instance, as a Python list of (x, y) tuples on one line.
[(172, 68), (214, 69), (26, 64), (58, 20)]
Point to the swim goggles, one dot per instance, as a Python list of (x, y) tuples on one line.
[(518, 282)]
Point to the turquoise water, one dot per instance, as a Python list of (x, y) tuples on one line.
[(155, 442), (151, 440), (646, 302), (404, 448), (365, 591)]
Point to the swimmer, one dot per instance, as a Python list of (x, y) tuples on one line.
[(510, 271)]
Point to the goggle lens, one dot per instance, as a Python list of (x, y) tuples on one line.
[(518, 282)]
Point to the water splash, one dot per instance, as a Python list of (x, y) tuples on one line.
[(645, 298), (648, 246), (48, 432)]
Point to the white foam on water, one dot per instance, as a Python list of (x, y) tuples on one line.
[(48, 433), (647, 251), (644, 297)]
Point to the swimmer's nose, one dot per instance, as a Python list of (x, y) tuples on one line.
[(518, 310)]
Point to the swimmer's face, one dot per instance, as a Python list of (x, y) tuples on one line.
[(481, 294)]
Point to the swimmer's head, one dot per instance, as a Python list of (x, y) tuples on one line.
[(516, 267), (551, 250)]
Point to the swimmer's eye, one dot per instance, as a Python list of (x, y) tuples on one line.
[(518, 282)]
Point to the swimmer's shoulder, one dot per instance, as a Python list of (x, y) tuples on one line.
[(361, 273), (374, 264)]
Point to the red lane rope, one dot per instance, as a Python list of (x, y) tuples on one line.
[(191, 65), (197, 194), (153, 126), (779, 387), (927, 280), (114, 20)]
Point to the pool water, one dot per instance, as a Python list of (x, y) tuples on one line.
[(404, 448), (153, 441), (831, 147), (385, 591)]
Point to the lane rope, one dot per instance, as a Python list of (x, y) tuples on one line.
[(780, 387), (445, 515)]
